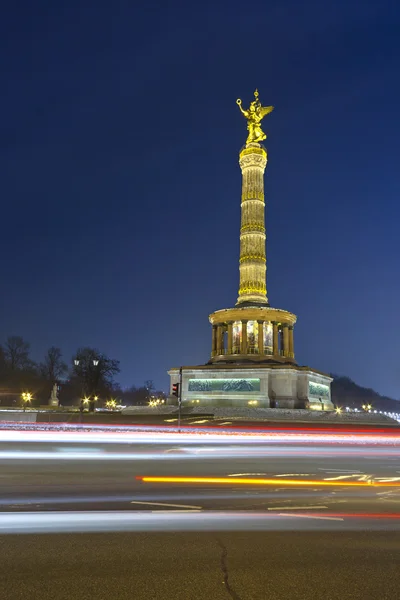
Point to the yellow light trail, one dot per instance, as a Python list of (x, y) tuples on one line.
[(283, 482)]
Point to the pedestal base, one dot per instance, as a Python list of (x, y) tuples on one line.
[(256, 386)]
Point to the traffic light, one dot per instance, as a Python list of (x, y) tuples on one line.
[(175, 389)]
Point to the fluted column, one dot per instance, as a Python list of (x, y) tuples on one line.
[(275, 338), (285, 339), (252, 263), (291, 342), (214, 341), (230, 337), (260, 337), (243, 349)]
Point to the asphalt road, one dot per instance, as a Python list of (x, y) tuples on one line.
[(205, 540), (105, 477), (182, 566), (209, 420)]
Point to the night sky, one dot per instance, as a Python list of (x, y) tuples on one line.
[(120, 184)]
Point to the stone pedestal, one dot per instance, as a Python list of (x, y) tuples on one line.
[(53, 400), (254, 386)]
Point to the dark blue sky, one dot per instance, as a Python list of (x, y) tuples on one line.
[(120, 184)]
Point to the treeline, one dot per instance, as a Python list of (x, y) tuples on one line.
[(346, 392), (88, 373)]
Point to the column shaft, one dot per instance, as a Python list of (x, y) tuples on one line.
[(252, 263), (243, 349), (285, 340), (230, 337), (214, 341), (291, 342), (275, 338), (219, 339), (260, 337)]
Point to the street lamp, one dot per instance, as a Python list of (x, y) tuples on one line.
[(95, 362), (26, 398), (77, 361)]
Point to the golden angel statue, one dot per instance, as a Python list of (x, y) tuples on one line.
[(254, 116)]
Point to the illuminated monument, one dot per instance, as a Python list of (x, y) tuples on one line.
[(252, 356)]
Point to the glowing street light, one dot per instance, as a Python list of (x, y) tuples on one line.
[(26, 398), (154, 401), (338, 410), (77, 361), (95, 362)]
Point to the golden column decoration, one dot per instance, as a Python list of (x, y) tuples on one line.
[(253, 160)]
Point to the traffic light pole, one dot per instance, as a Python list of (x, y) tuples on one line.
[(180, 400)]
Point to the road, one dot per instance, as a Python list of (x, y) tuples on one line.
[(209, 420), (182, 566), (325, 524), (97, 473)]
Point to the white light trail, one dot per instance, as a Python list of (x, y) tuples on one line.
[(296, 507), (122, 521), (166, 437), (167, 504), (297, 516)]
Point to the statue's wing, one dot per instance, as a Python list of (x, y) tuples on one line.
[(265, 110)]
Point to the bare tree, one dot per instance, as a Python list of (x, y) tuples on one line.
[(16, 353), (94, 370), (149, 385), (3, 366), (53, 367)]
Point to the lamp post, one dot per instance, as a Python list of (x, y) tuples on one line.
[(89, 399), (26, 399)]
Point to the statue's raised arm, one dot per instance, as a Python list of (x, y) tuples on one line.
[(254, 116), (244, 112)]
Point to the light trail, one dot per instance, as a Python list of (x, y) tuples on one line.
[(255, 427), (122, 521), (164, 504), (186, 437), (101, 455), (189, 452), (259, 481)]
